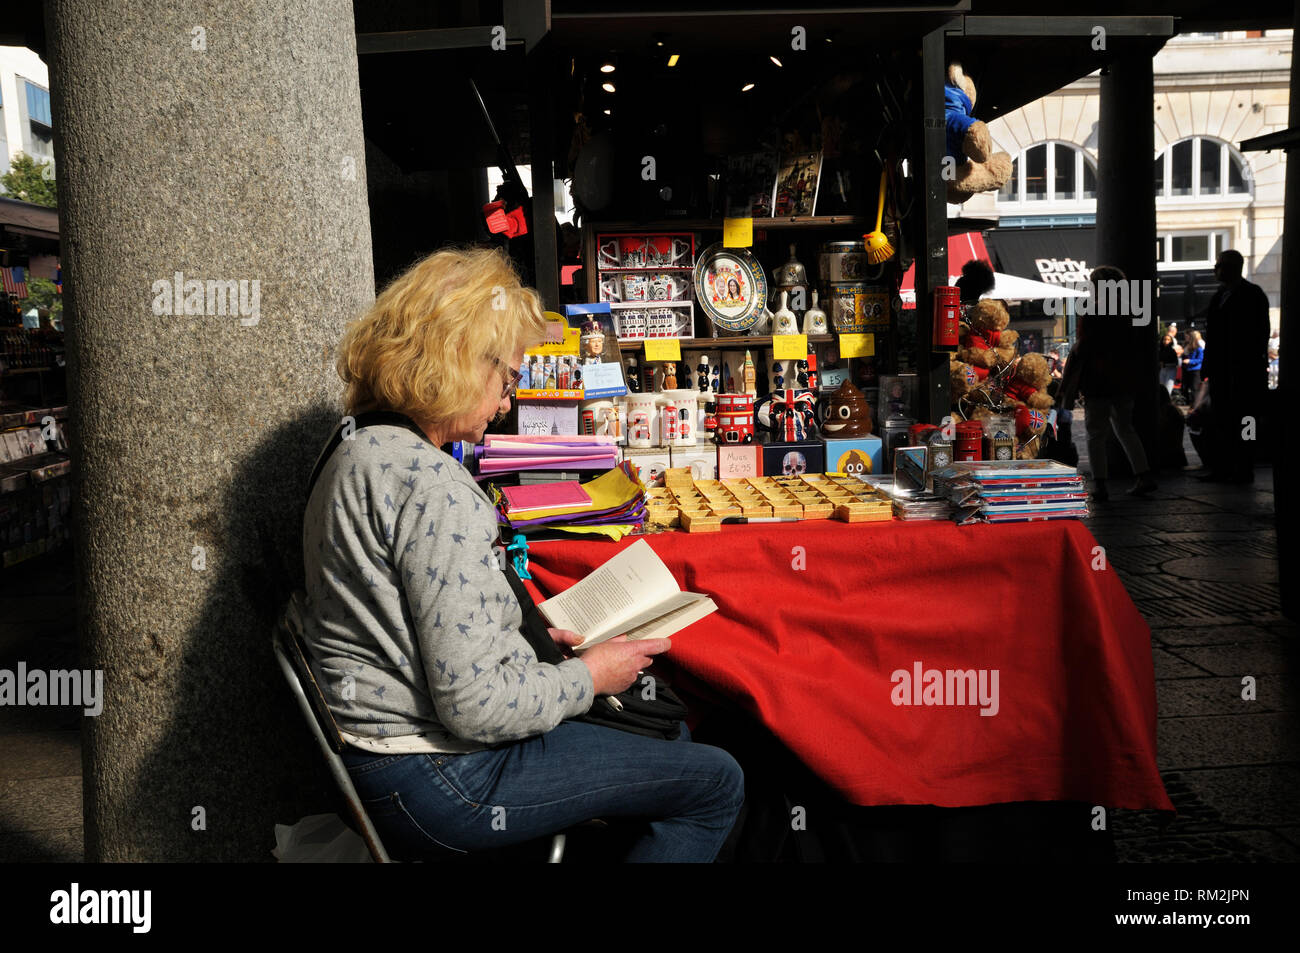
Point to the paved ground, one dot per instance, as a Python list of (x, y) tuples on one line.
[(1199, 560)]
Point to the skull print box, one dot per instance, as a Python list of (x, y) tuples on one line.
[(794, 458)]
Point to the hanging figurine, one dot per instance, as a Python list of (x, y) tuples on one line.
[(715, 381), (777, 379), (686, 376), (703, 373), (633, 376), (802, 374), (670, 375), (520, 549)]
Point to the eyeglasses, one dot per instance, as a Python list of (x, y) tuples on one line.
[(508, 383)]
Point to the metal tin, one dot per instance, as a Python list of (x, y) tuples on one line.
[(894, 434), (842, 261), (855, 306), (970, 440)]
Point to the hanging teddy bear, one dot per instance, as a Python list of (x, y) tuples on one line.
[(1028, 383), (986, 343), (970, 146)]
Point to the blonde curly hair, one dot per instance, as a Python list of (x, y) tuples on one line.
[(423, 347)]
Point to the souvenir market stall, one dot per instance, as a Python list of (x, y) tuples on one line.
[(914, 610)]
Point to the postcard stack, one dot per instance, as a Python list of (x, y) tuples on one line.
[(613, 504), (515, 454), (1012, 491)]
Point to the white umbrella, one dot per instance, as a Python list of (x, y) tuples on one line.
[(1012, 288)]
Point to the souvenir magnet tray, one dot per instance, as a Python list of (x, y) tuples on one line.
[(698, 506), (731, 287)]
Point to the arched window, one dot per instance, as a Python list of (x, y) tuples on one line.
[(1200, 167), (1051, 172)]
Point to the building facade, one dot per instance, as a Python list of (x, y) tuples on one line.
[(25, 121), (1211, 92)]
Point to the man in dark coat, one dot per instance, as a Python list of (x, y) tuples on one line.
[(1235, 370)]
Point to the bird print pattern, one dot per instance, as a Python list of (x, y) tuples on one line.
[(407, 592)]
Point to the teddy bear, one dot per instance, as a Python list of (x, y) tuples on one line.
[(1028, 383), (1030, 426), (970, 146), (985, 341), (962, 378)]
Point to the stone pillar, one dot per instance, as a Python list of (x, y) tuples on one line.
[(1126, 216), (1288, 508), (221, 147)]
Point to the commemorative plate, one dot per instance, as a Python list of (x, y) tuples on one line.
[(731, 287)]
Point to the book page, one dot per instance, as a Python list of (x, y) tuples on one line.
[(600, 604), (649, 622), (674, 621)]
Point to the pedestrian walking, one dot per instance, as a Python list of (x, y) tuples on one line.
[(1234, 371), (1105, 376)]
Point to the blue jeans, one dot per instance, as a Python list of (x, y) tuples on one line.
[(523, 790)]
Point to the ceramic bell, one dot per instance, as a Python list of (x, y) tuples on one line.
[(792, 279), (784, 320), (814, 320)]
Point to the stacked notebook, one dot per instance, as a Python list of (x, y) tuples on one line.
[(1012, 491), (511, 454), (614, 499)]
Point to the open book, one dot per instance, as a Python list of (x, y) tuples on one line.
[(632, 593)]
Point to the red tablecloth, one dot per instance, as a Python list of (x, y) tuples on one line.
[(810, 652)]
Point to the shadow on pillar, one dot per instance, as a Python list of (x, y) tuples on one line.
[(239, 747)]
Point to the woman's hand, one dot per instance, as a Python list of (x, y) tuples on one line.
[(616, 664), (565, 639)]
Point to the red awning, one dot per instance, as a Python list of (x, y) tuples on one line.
[(961, 249)]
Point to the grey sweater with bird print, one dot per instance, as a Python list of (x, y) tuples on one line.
[(411, 624)]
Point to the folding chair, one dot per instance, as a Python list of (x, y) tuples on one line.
[(291, 653)]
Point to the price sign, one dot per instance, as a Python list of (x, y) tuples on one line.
[(663, 349), (737, 232), (857, 345), (790, 347)]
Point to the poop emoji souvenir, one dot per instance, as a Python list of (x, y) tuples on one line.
[(853, 463), (847, 413)]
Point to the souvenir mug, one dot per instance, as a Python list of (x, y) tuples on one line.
[(667, 287), (686, 406), (660, 323), (609, 257), (635, 287), (633, 252), (656, 253), (640, 418), (631, 323), (609, 290), (681, 253)]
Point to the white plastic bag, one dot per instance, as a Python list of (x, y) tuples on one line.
[(319, 839)]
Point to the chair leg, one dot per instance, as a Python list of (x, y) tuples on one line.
[(557, 849)]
